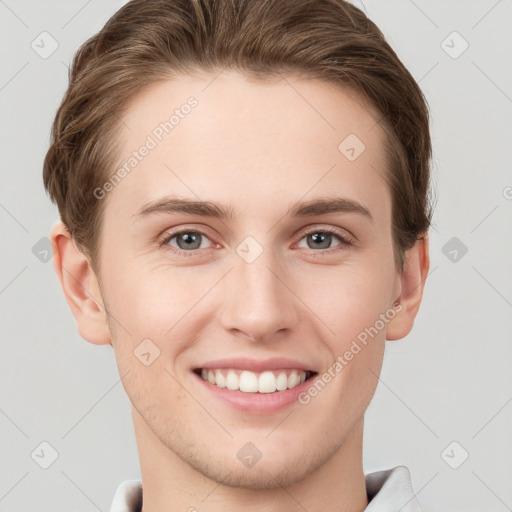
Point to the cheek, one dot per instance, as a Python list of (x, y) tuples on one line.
[(348, 301), (356, 308), (151, 301), (158, 311)]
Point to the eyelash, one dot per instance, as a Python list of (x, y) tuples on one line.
[(345, 241)]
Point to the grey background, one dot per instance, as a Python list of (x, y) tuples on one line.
[(449, 380)]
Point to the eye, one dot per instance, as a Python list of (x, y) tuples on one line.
[(322, 238), (184, 241)]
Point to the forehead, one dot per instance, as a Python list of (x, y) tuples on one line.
[(252, 145)]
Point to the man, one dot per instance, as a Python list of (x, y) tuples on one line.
[(243, 188)]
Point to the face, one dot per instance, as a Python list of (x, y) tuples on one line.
[(277, 283)]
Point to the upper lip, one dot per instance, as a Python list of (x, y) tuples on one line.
[(257, 365)]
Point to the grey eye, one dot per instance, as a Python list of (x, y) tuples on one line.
[(188, 240)]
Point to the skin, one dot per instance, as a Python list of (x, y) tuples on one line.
[(257, 148)]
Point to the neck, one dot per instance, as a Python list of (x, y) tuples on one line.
[(171, 484)]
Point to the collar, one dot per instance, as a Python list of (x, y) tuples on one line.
[(391, 491), (388, 491)]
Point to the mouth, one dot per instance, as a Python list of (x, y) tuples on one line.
[(246, 381), (254, 386)]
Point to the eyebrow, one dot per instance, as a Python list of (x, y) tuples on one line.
[(320, 206)]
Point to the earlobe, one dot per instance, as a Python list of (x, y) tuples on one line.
[(414, 275), (80, 287)]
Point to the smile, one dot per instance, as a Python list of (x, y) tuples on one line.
[(254, 382)]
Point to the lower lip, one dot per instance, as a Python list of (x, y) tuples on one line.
[(262, 403)]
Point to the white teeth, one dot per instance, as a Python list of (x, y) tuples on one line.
[(251, 382), (292, 379), (282, 382), (232, 381), (248, 382), (220, 381), (267, 383)]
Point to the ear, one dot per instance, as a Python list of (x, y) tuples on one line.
[(412, 282), (80, 286)]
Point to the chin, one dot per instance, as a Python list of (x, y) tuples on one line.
[(275, 469), (259, 477)]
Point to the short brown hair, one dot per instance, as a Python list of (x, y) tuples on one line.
[(147, 41)]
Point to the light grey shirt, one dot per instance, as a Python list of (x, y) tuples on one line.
[(388, 491)]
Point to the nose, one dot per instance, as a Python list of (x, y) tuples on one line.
[(260, 303)]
